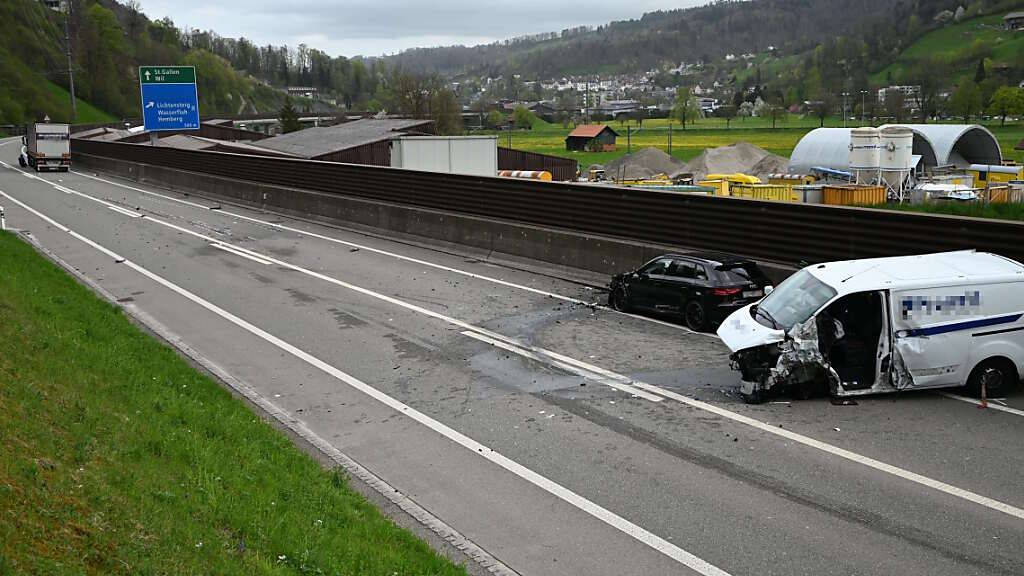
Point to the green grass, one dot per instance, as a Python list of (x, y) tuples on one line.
[(708, 133), (87, 113), (975, 209), (954, 43), (118, 458)]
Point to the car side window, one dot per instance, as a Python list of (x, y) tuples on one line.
[(682, 269), (657, 268), (688, 270)]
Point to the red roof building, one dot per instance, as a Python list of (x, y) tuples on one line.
[(594, 137)]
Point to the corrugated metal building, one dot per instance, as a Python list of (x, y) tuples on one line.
[(363, 141), (937, 145)]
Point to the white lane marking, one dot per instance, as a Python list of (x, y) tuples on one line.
[(608, 517), (549, 357), (736, 417), (231, 249), (568, 368), (126, 212), (398, 256), (842, 453), (976, 402)]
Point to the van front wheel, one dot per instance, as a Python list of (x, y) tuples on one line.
[(997, 375)]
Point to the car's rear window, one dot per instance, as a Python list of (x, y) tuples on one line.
[(740, 273)]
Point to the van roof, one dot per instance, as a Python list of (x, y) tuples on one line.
[(943, 268)]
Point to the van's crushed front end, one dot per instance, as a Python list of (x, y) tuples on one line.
[(772, 360)]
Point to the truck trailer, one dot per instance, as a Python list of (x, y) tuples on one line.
[(47, 146)]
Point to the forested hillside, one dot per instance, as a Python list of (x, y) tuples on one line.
[(879, 29), (109, 42)]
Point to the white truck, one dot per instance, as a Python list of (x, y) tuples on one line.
[(885, 325), (46, 146)]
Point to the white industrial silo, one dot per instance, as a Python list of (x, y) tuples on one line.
[(865, 154), (896, 162)]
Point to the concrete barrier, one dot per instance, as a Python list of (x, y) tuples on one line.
[(574, 252)]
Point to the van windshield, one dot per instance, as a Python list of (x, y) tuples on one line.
[(794, 301)]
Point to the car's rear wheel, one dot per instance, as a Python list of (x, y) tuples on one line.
[(696, 317), (619, 300), (997, 375)]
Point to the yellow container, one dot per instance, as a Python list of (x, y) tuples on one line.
[(995, 175), (853, 195), (721, 186), (763, 192)]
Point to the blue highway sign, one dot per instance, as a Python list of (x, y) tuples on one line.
[(169, 98)]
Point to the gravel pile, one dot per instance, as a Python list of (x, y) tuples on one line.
[(644, 163), (742, 157)]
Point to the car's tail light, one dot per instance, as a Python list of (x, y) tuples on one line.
[(726, 291)]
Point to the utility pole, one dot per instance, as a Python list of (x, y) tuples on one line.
[(845, 94), (71, 68), (586, 103), (863, 105)]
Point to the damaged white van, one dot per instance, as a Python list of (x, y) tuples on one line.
[(884, 325)]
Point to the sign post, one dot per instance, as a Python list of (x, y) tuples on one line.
[(169, 98)]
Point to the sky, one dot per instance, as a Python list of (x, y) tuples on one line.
[(376, 27)]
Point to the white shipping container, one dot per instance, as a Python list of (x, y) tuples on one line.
[(471, 155)]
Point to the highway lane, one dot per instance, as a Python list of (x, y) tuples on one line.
[(690, 366), (648, 461)]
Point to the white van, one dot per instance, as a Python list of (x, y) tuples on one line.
[(885, 325)]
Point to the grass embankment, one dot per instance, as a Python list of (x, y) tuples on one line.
[(958, 45), (117, 457), (86, 112), (976, 209)]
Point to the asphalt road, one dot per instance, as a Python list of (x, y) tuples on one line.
[(560, 437)]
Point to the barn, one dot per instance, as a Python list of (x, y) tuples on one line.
[(591, 137)]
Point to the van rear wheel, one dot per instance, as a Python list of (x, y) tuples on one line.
[(997, 375)]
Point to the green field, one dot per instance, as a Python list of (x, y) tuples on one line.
[(706, 133), (117, 457)]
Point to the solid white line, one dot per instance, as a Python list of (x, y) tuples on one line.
[(568, 368), (736, 417), (552, 357), (126, 212), (625, 526), (977, 402), (841, 452), (397, 256), (232, 250)]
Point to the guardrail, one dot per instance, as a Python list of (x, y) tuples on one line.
[(776, 231)]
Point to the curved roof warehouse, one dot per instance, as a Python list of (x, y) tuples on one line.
[(937, 144)]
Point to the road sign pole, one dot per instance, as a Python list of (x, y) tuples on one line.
[(152, 138)]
